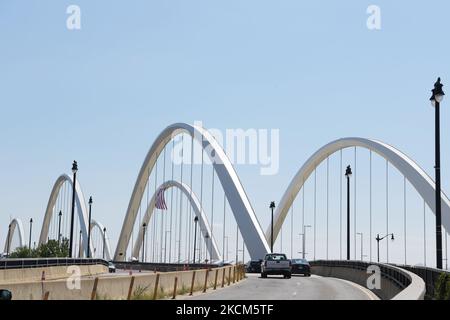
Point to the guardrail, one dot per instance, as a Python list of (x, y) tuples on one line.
[(395, 282), (6, 264), (163, 267), (428, 275)]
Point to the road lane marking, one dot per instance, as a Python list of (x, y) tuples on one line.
[(366, 291)]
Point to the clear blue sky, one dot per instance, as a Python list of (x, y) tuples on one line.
[(101, 95)]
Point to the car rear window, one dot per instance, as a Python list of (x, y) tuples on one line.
[(276, 257), (300, 261)]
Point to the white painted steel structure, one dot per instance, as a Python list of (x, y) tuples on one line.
[(205, 228), (15, 223), (254, 237), (105, 238), (418, 178), (81, 209), (237, 198)]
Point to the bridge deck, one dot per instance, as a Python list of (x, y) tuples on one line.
[(296, 288)]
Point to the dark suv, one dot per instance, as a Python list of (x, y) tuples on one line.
[(300, 266), (254, 266)]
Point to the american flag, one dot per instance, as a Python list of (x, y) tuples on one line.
[(160, 201)]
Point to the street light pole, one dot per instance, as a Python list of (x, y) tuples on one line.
[(104, 242), (165, 245), (348, 174), (304, 240), (31, 231), (436, 99), (79, 245), (8, 240), (362, 254), (89, 229), (195, 236), (237, 243), (144, 226), (272, 207), (227, 237), (59, 226), (74, 182), (378, 243)]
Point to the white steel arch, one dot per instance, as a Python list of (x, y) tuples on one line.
[(418, 178), (244, 214), (81, 208), (105, 238), (15, 223), (205, 228)]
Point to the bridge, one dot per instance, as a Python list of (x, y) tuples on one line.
[(187, 182)]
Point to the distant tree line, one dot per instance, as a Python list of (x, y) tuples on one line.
[(51, 249)]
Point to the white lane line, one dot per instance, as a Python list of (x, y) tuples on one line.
[(367, 292)]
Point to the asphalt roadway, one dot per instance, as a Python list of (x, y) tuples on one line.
[(296, 288)]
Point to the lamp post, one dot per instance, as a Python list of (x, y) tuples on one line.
[(348, 174), (195, 236), (207, 239), (59, 226), (8, 240), (304, 240), (144, 227), (89, 229), (79, 245), (436, 99), (362, 251), (74, 182), (227, 237), (237, 243), (104, 242), (378, 243), (272, 207), (165, 245), (31, 231)]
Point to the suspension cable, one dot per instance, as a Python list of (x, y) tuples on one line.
[(340, 206), (387, 210), (163, 214), (224, 223), (212, 210), (292, 230), (424, 235), (354, 211), (328, 200), (181, 199), (171, 205), (404, 208), (370, 203), (190, 206), (315, 209)]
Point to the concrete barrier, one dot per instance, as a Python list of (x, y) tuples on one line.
[(395, 283), (50, 273), (117, 287)]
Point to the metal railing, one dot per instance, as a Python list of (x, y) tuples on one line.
[(163, 267), (47, 262)]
